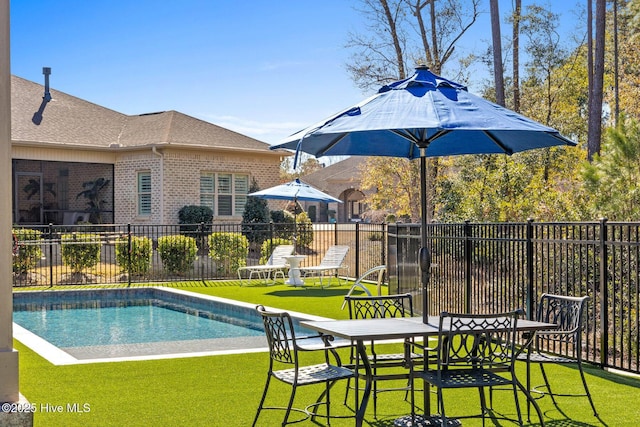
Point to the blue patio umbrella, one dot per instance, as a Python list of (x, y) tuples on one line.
[(295, 190), (423, 116)]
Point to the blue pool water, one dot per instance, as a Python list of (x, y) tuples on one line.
[(151, 321), (97, 324)]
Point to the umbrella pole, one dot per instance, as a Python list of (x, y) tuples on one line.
[(424, 255), (295, 225)]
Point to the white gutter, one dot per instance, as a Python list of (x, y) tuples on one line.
[(155, 151)]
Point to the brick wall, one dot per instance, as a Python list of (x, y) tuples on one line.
[(181, 178)]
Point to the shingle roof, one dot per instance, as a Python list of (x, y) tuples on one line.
[(344, 171), (68, 120)]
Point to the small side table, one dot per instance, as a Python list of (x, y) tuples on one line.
[(294, 270)]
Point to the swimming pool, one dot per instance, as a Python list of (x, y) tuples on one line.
[(94, 325)]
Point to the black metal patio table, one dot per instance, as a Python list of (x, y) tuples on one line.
[(362, 330)]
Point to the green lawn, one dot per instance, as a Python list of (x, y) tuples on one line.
[(225, 390)]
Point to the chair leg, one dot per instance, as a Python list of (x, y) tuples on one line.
[(483, 403), (586, 388), (264, 395), (528, 389), (515, 397), (290, 405), (351, 361), (546, 383), (328, 403), (443, 417)]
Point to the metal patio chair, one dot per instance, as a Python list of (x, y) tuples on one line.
[(384, 366), (285, 366), (474, 351), (568, 314)]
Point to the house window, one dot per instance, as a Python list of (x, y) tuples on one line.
[(144, 193), (224, 193)]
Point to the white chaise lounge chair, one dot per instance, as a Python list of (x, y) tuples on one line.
[(276, 265), (331, 262)]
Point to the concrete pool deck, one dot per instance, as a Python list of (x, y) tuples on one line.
[(153, 350)]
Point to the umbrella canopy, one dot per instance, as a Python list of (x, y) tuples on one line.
[(427, 112), (423, 116), (295, 190)]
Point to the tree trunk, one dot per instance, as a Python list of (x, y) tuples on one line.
[(596, 93), (498, 69), (394, 35), (517, 13)]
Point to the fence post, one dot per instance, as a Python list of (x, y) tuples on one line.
[(50, 254), (604, 293), (529, 268), (201, 250), (385, 238), (129, 249), (357, 272), (467, 266)]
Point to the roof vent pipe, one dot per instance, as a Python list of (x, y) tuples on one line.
[(47, 95)]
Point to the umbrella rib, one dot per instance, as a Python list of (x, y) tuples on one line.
[(330, 146), (503, 147)]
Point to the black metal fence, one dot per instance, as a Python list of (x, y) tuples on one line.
[(43, 260), (475, 267), (498, 267)]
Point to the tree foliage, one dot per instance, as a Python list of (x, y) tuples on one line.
[(549, 184), (255, 217), (397, 182), (613, 177), (403, 33), (305, 167)]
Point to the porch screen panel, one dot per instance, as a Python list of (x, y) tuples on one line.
[(144, 193)]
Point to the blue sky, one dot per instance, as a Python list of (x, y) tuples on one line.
[(262, 68)]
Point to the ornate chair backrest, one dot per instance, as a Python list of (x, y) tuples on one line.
[(568, 313), (278, 327), (370, 307), (477, 340)]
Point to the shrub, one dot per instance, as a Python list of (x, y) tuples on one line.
[(29, 251), (80, 251), (140, 260), (267, 248), (229, 251), (285, 228), (278, 217), (177, 252), (193, 216), (305, 230), (376, 236), (255, 217)]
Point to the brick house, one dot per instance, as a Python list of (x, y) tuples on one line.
[(341, 180), (146, 167)]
